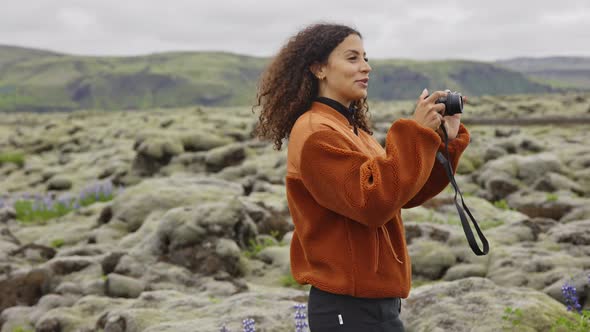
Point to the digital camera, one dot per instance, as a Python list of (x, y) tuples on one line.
[(453, 103)]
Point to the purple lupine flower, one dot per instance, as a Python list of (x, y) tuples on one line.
[(77, 204), (48, 202), (571, 299), (300, 318), (1, 203), (107, 188), (62, 201), (82, 194), (36, 206), (249, 325)]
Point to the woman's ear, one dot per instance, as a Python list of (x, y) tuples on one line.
[(317, 70)]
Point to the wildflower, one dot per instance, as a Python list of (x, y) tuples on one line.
[(48, 203), (571, 299), (108, 188), (36, 206), (249, 325), (224, 328), (300, 318)]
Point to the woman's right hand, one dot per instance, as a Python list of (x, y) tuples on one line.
[(427, 113)]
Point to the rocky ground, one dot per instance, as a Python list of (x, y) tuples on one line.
[(199, 234)]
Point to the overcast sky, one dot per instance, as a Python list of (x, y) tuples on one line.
[(461, 29)]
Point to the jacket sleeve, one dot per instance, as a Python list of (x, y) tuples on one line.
[(368, 189), (438, 180)]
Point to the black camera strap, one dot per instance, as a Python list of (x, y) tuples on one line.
[(466, 227)]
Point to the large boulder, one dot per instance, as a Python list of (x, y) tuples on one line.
[(478, 304), (24, 287), (153, 152), (196, 140), (136, 203), (546, 205), (431, 259), (507, 174), (576, 233), (170, 310), (555, 182), (228, 155), (206, 238)]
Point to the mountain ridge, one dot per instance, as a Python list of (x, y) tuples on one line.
[(41, 80)]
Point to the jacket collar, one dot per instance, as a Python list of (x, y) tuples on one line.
[(335, 105)]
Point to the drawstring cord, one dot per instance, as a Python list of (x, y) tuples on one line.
[(378, 246)]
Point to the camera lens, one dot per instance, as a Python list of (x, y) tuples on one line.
[(453, 103)]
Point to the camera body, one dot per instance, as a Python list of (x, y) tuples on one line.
[(453, 103)]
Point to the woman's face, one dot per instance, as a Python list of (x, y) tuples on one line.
[(345, 77)]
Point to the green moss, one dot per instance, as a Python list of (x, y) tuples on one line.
[(551, 197), (27, 212), (57, 243), (502, 204), (256, 246), (287, 280), (513, 318), (580, 323), (22, 329), (17, 158)]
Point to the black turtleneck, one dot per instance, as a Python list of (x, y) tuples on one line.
[(347, 112)]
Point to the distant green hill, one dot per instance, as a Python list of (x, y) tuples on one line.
[(561, 72), (35, 80)]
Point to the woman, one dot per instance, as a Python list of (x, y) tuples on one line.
[(344, 190)]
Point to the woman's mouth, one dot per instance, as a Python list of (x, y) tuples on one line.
[(364, 82)]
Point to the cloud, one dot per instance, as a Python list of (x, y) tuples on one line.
[(480, 30)]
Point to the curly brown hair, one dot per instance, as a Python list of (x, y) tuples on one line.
[(288, 87)]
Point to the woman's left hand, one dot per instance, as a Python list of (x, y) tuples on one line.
[(451, 123)]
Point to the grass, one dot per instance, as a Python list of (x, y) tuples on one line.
[(57, 243), (502, 204), (17, 158), (514, 316), (38, 209), (21, 329), (256, 246), (287, 280), (551, 197)]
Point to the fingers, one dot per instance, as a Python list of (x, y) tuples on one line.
[(435, 119), (433, 97), (439, 108), (423, 95)]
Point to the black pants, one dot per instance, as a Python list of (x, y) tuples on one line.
[(328, 312)]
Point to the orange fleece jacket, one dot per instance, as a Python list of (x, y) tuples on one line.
[(345, 194)]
